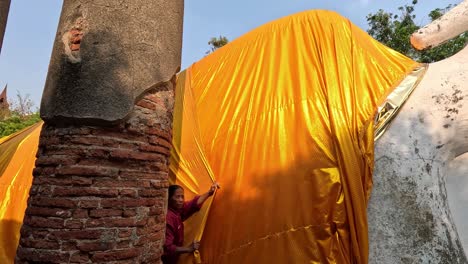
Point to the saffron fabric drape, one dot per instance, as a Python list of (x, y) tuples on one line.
[(17, 157), (282, 117)]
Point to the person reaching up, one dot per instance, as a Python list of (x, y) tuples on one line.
[(178, 211)]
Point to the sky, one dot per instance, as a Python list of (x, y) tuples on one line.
[(32, 25)]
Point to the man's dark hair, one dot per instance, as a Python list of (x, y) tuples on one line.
[(172, 189)]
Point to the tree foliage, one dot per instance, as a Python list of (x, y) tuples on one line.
[(16, 122), (394, 30), (216, 43), (23, 105), (20, 115)]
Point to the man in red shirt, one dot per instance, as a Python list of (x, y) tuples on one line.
[(178, 211)]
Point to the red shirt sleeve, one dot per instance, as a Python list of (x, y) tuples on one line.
[(169, 246), (190, 208)]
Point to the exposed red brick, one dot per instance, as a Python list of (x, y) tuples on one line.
[(69, 246), (129, 212), (123, 244), (75, 39), (39, 234), (157, 167), (75, 47), (85, 191), (66, 150), (120, 203), (95, 246), (147, 104), (115, 255), (45, 190), (52, 181), (36, 221), (161, 218), (128, 154), (153, 256), (105, 212), (148, 238), (34, 190), (40, 243), (160, 142), (87, 171), (47, 141), (147, 229), (44, 256), (79, 257), (90, 203), (111, 222), (37, 171), (77, 181), (80, 213), (73, 224), (44, 170), (159, 132), (57, 159), (152, 224), (94, 161), (153, 98), (155, 149), (96, 190), (126, 145), (125, 233), (89, 140), (155, 211), (142, 175), (118, 135), (108, 142), (160, 184), (78, 234), (128, 193), (117, 183), (44, 211), (67, 131), (54, 202), (141, 222), (150, 192), (96, 152)]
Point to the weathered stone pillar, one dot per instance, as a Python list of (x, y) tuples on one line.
[(4, 9), (99, 188)]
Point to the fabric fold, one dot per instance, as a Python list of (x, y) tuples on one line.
[(283, 118)]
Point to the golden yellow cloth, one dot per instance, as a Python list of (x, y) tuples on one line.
[(17, 157), (283, 118)]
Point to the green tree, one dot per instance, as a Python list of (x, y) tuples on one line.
[(394, 30), (447, 49), (23, 106), (15, 123), (21, 115), (216, 43)]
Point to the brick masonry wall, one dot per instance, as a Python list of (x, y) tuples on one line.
[(99, 194)]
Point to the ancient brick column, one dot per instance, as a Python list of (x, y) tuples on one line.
[(4, 9), (99, 188)]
